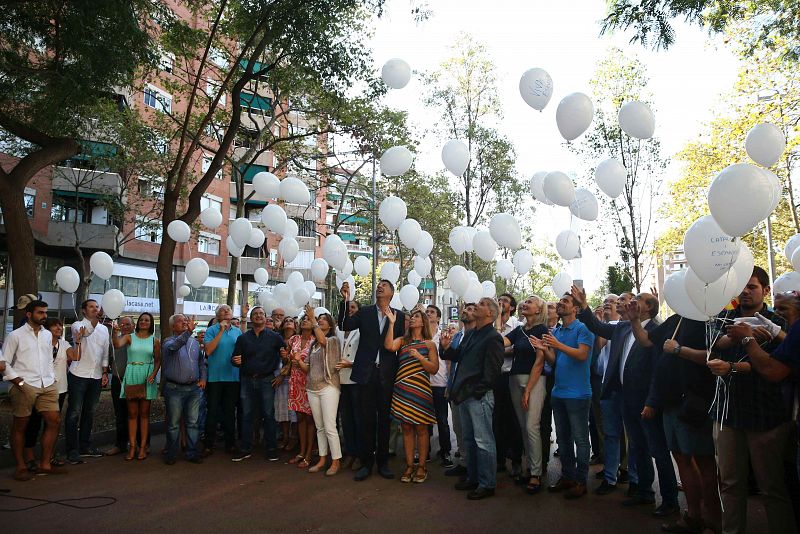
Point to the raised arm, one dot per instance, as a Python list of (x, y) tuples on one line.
[(175, 343), (585, 315), (639, 333), (319, 335), (348, 322), (213, 343)]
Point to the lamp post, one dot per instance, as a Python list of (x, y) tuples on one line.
[(374, 228), (770, 252)]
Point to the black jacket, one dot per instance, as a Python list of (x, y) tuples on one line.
[(479, 357), (365, 320)]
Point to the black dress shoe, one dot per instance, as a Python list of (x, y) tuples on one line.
[(605, 488), (622, 477), (362, 474), (637, 500), (385, 472), (457, 471), (169, 461), (466, 485), (480, 493), (633, 490), (195, 460), (599, 475), (666, 509)]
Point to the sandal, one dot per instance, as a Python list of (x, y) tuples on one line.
[(32, 466), (131, 454), (533, 487), (407, 474), (302, 464), (56, 462), (419, 479), (142, 454), (296, 459)]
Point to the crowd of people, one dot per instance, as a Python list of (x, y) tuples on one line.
[(624, 389)]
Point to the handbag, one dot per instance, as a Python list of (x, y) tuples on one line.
[(135, 392)]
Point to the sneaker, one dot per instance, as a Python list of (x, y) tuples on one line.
[(272, 455), (94, 452), (605, 488), (456, 471), (241, 456), (74, 458), (446, 462)]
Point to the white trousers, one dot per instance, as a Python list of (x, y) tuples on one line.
[(530, 421), (324, 407)]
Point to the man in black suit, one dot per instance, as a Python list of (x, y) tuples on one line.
[(374, 370), (479, 357), (623, 395)]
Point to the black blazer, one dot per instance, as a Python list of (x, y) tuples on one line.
[(365, 320), (479, 357)]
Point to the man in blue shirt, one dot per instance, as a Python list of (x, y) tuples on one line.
[(569, 349), (222, 391), (184, 374)]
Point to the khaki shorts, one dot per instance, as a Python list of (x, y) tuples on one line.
[(24, 399)]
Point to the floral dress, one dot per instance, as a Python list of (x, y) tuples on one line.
[(298, 398)]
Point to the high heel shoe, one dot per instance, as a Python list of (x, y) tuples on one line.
[(131, 454)]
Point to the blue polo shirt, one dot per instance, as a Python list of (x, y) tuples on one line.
[(572, 376), (220, 368)]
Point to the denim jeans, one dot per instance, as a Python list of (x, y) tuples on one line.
[(572, 431), (182, 401), (441, 409), (83, 394), (613, 427), (255, 391), (351, 420), (476, 425)]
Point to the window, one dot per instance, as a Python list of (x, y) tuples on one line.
[(211, 294), (305, 228), (273, 257), (208, 245), (70, 209), (151, 187), (148, 230), (247, 139), (212, 88), (166, 62), (207, 165), (218, 57), (131, 287), (157, 99), (208, 202), (30, 201)]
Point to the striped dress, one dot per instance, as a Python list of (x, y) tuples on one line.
[(412, 398)]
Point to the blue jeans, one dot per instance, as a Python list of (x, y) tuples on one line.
[(476, 427), (182, 401), (572, 431), (84, 394), (253, 392), (613, 428), (649, 434), (351, 420)]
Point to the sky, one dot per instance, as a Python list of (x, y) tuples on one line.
[(562, 38)]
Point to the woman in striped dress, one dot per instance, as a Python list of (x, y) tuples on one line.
[(412, 398)]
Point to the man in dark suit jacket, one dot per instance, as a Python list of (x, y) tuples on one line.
[(479, 357), (622, 396), (374, 370)]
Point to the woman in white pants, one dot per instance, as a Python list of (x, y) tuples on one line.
[(528, 385), (322, 386)]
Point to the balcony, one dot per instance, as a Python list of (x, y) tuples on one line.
[(307, 243), (91, 236), (306, 212), (86, 181), (357, 248)]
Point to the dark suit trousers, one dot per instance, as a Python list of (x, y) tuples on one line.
[(507, 434), (547, 422), (375, 400)]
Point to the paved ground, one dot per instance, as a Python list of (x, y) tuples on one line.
[(277, 497)]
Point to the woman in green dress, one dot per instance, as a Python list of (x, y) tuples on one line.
[(144, 360)]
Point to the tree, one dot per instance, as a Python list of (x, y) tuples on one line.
[(618, 280), (58, 60), (619, 79)]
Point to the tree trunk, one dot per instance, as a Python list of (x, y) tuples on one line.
[(22, 255), (166, 290), (232, 281)]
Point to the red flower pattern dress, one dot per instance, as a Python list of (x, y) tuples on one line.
[(298, 397)]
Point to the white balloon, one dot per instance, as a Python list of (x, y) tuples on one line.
[(392, 212), (390, 271), (337, 256), (471, 231), (473, 275), (233, 249), (261, 276), (489, 289), (523, 261), (536, 88), (777, 188), (267, 184), (424, 244), (350, 282), (282, 294), (414, 278), (113, 302), (184, 290), (585, 206), (744, 267), (211, 217), (422, 266), (332, 242), (568, 245), (347, 270), (396, 161), (474, 291), (485, 246), (455, 156), (268, 302), (574, 115), (68, 279), (179, 231), (796, 260), (311, 287), (288, 248), (711, 298), (739, 198), (395, 302), (611, 176), (559, 188), (409, 232), (787, 282), (537, 187), (300, 296), (291, 229), (196, 272), (678, 299), (274, 218), (458, 279), (562, 283), (505, 269), (637, 120), (102, 265), (791, 245), (293, 190), (460, 240), (240, 230), (257, 238), (765, 144), (504, 229), (396, 73), (319, 269), (709, 251), (362, 265)]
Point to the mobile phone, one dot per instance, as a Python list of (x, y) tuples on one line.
[(578, 283)]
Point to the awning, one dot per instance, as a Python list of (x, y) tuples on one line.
[(249, 100), (248, 171), (79, 194), (352, 219), (234, 200), (347, 236)]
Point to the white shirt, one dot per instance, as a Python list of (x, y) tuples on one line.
[(602, 358), (440, 378), (94, 352), (349, 349), (29, 355), (60, 366), (508, 357), (629, 341), (381, 322)]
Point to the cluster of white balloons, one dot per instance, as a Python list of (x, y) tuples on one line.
[(790, 281), (292, 295), (467, 285)]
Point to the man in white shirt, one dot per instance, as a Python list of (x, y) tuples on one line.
[(507, 433), (87, 376), (439, 388), (28, 357)]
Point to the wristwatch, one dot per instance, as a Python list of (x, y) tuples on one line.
[(676, 350), (746, 340)]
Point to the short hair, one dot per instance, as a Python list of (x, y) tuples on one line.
[(32, 305), (257, 308), (86, 302), (513, 301), (358, 306), (438, 310), (493, 305), (152, 329), (761, 275), (220, 309), (388, 282), (571, 298), (126, 318), (173, 317), (653, 302), (610, 295), (50, 322), (792, 297)]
